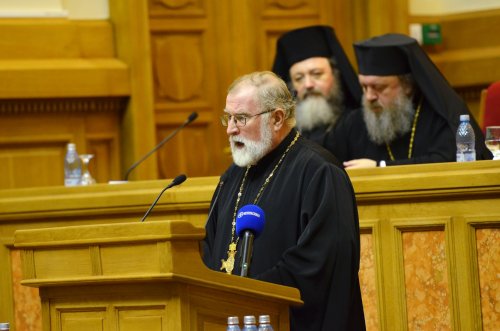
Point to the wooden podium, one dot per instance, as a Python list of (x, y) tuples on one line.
[(139, 276)]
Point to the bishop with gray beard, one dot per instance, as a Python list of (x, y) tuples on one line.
[(409, 111), (313, 63), (317, 114)]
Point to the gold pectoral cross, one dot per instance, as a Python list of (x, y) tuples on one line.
[(229, 263)]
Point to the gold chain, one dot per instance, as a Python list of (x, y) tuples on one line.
[(233, 243), (412, 136)]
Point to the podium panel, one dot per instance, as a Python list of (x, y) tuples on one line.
[(139, 276)]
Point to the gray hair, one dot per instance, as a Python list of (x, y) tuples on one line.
[(272, 92)]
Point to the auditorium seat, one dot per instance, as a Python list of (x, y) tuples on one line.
[(489, 109)]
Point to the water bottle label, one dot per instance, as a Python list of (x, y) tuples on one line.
[(71, 181), (469, 156), (466, 156)]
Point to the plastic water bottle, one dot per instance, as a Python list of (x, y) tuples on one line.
[(466, 139), (233, 323), (72, 166), (249, 323), (265, 323)]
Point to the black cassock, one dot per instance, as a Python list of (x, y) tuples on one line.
[(434, 141), (396, 54), (311, 235), (320, 135), (324, 135)]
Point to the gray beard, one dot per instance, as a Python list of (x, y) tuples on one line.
[(393, 121), (317, 110)]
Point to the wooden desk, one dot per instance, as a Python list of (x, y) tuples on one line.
[(430, 237)]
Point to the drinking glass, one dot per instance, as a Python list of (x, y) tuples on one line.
[(493, 140), (86, 178)]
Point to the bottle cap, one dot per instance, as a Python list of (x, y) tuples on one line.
[(71, 146), (4, 326), (233, 320), (264, 319), (249, 319), (464, 118)]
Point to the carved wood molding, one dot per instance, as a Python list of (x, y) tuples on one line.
[(470, 93), (72, 105)]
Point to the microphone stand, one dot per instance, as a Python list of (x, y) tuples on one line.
[(177, 180), (191, 118)]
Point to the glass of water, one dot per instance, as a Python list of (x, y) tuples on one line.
[(493, 140), (86, 178)]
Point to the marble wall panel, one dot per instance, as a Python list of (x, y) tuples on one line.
[(27, 306), (488, 258), (426, 281), (367, 279)]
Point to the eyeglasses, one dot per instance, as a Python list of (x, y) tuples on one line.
[(240, 119)]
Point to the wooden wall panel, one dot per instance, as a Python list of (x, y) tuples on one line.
[(59, 58), (170, 58), (38, 163), (24, 38), (60, 82), (469, 56), (177, 8), (34, 135), (179, 68), (79, 318), (132, 44), (184, 58)]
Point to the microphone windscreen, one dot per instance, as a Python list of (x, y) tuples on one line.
[(192, 117), (179, 180), (251, 218)]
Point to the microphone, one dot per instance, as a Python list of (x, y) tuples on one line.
[(249, 225), (176, 181), (191, 118), (218, 189)]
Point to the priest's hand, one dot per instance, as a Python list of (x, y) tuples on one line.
[(360, 163)]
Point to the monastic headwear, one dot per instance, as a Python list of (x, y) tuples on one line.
[(383, 56), (317, 41), (396, 54)]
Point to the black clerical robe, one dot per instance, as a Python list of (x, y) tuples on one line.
[(396, 54), (320, 135), (324, 135), (311, 234), (434, 141)]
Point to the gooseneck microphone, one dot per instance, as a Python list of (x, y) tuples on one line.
[(249, 225), (176, 181), (191, 118)]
